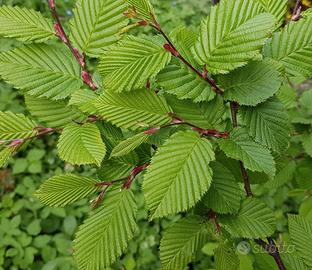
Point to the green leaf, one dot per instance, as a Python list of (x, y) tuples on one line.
[(16, 126), (65, 189), (179, 174), (254, 220), (252, 84), (52, 113), (287, 96), (268, 124), (225, 257), (5, 155), (307, 144), (130, 144), (307, 12), (294, 262), (205, 114), (24, 24), (224, 195), (233, 34), (132, 62), (141, 108), (41, 71), (305, 101), (297, 55), (84, 99), (96, 25), (143, 8), (182, 241), (81, 144), (114, 169), (301, 236), (104, 235), (254, 156), (278, 8)]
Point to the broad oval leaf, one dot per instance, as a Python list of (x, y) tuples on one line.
[(254, 220), (233, 34), (105, 234), (24, 24), (269, 124), (182, 241), (81, 144), (132, 62), (296, 57), (62, 190), (135, 110), (252, 84), (16, 126), (278, 8), (96, 25), (254, 156), (179, 174), (41, 71)]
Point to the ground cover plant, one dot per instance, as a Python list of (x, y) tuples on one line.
[(205, 120)]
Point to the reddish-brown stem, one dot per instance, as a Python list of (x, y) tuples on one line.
[(212, 215), (81, 59), (297, 11), (173, 50), (133, 174), (100, 198)]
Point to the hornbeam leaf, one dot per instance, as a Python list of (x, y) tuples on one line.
[(254, 220), (143, 8), (81, 144), (307, 144), (254, 156), (182, 241), (5, 155), (105, 234), (130, 144), (301, 236), (307, 12), (233, 34), (62, 190), (294, 262), (305, 101), (140, 108), (204, 114), (24, 24), (52, 113), (224, 195), (96, 25), (132, 62), (16, 126), (278, 8), (297, 55), (225, 257), (41, 71), (268, 124), (84, 99), (179, 174), (252, 84)]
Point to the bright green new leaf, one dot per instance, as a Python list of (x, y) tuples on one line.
[(254, 220), (5, 155), (24, 24), (130, 144), (225, 257), (268, 124), (52, 113), (41, 71), (252, 84), (62, 190), (96, 25), (205, 114), (179, 174), (81, 144), (143, 8), (105, 234), (16, 126), (224, 195), (84, 99), (136, 110), (297, 55), (182, 241), (254, 156), (307, 12), (233, 34), (132, 62), (301, 236), (278, 8)]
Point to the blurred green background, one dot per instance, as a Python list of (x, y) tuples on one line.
[(33, 236)]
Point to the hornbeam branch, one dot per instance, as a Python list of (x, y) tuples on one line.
[(81, 59)]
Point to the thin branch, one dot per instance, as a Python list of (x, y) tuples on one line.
[(81, 59), (296, 15), (133, 174), (173, 50)]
